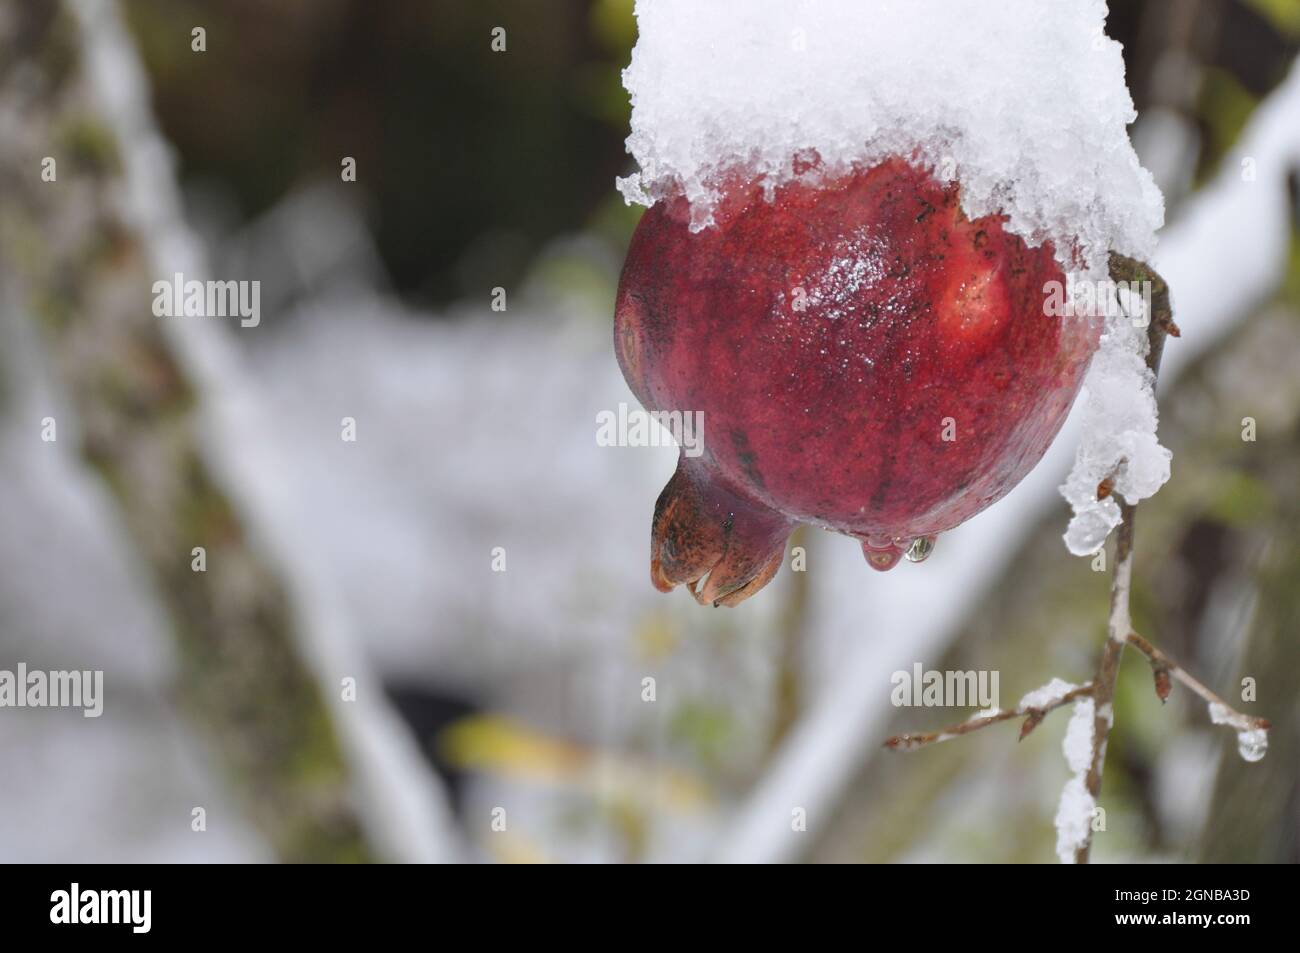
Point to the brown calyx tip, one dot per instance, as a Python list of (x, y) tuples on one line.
[(723, 547)]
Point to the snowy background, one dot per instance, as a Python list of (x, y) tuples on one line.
[(482, 695)]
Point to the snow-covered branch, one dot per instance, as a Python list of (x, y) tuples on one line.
[(1034, 707), (1160, 324), (1089, 730)]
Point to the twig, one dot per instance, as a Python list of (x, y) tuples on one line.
[(1164, 667), (1119, 624), (1119, 627), (1032, 714)]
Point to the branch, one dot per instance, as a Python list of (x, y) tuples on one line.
[(1032, 713), (1164, 667), (1119, 624), (169, 415), (1119, 629)]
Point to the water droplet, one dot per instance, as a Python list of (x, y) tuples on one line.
[(1252, 745), (882, 560), (882, 552), (920, 549)]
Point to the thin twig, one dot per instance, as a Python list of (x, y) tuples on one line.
[(1033, 715), (1163, 666)]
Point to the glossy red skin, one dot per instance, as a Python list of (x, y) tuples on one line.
[(916, 323)]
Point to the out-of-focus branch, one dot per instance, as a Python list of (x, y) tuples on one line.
[(792, 629), (168, 417), (84, 280)]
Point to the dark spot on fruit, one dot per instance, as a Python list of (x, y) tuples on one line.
[(745, 456)]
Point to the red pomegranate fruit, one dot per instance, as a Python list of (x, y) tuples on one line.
[(866, 359)]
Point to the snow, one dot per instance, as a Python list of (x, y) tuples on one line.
[(1252, 743), (1238, 226), (1118, 432), (1022, 101), (1074, 813), (1233, 226), (1047, 695)]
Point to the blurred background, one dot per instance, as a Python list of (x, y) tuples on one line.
[(432, 642)]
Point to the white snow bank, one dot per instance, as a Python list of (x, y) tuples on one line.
[(1023, 101)]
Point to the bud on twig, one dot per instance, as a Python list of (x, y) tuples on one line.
[(1034, 719), (1163, 682)]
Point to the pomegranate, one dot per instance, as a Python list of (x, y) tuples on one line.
[(866, 358)]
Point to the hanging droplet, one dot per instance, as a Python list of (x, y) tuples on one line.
[(882, 552), (920, 549), (1252, 745)]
